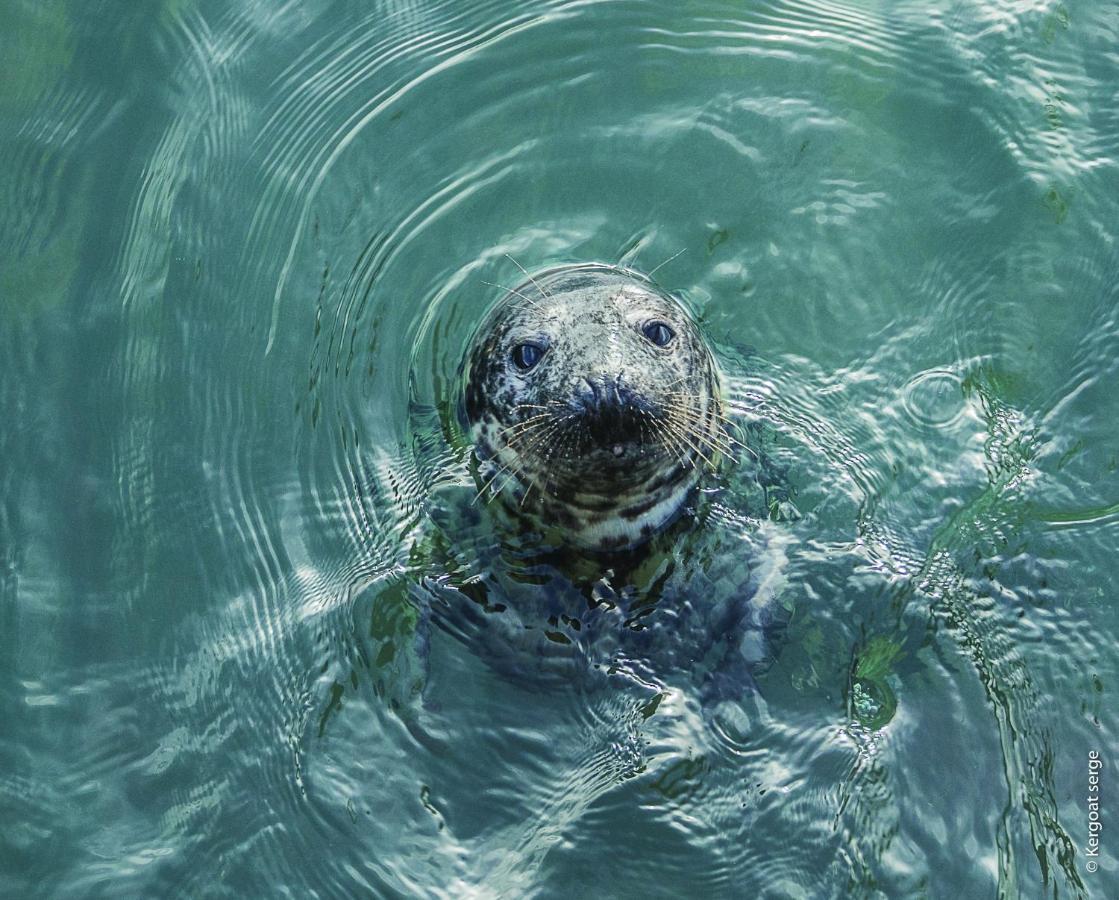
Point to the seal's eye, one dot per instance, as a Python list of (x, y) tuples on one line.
[(525, 356), (659, 333)]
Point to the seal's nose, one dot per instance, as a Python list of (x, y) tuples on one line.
[(603, 394), (610, 412)]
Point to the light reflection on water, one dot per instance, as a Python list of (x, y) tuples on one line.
[(258, 639)]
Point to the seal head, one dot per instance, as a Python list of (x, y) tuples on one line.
[(593, 403)]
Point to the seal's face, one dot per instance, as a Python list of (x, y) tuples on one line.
[(593, 403)]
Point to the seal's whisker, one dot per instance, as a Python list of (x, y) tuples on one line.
[(536, 423), (551, 455), (628, 257), (712, 442), (567, 441), (527, 439), (527, 298), (535, 437), (528, 489), (532, 442), (688, 452), (670, 445), (712, 432), (566, 433), (735, 442), (712, 411), (650, 273), (683, 434), (491, 480), (672, 439), (533, 418), (726, 423), (513, 476), (528, 424), (530, 278), (563, 427), (709, 440)]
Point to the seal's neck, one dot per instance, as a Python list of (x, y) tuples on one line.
[(608, 521)]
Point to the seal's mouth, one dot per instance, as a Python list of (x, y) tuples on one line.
[(615, 435), (610, 427), (611, 416), (623, 455)]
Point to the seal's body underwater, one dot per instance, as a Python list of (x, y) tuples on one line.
[(593, 403)]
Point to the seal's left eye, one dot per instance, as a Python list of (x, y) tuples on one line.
[(659, 333), (525, 356)]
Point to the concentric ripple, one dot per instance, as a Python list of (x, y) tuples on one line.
[(934, 398)]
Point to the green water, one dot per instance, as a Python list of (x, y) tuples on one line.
[(254, 643)]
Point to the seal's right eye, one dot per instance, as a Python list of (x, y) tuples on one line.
[(659, 333), (525, 356)]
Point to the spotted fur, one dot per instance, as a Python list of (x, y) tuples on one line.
[(608, 433)]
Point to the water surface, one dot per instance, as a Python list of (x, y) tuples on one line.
[(255, 643)]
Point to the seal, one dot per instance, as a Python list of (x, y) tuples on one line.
[(593, 404)]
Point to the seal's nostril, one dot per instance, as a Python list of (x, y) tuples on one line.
[(588, 393), (622, 391), (596, 394), (604, 394)]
